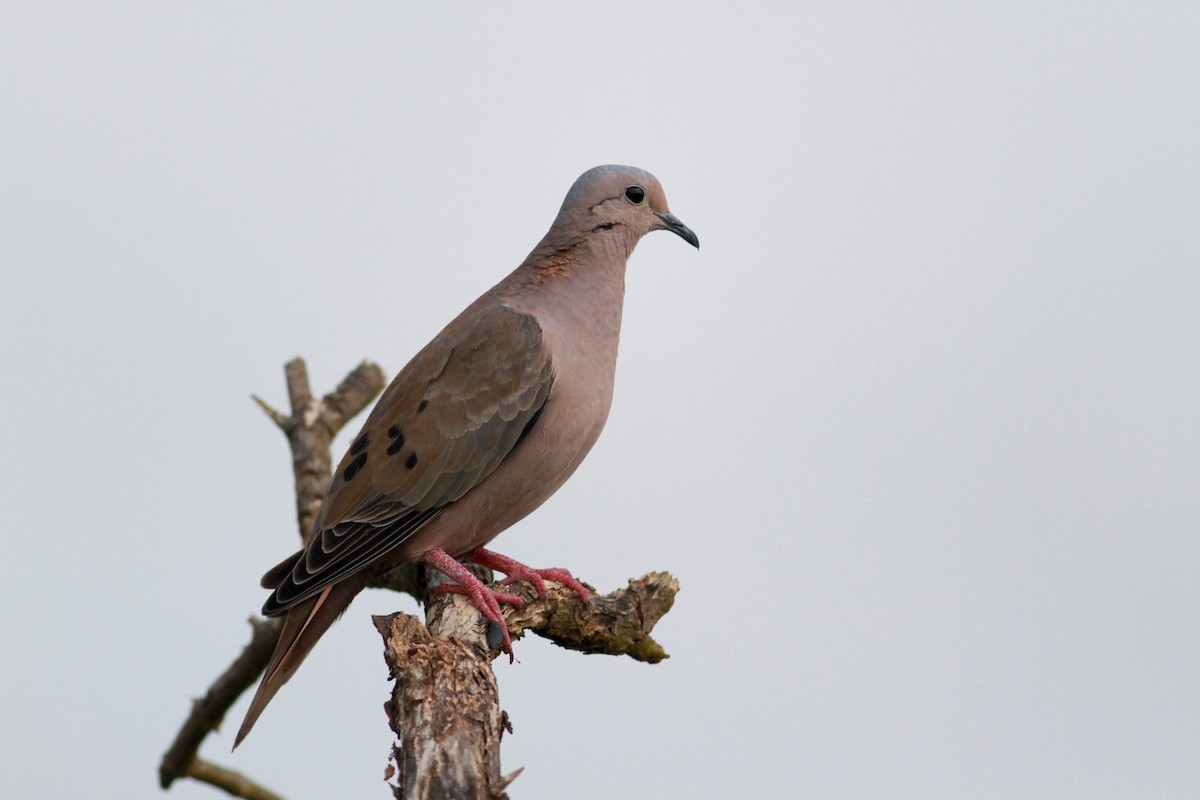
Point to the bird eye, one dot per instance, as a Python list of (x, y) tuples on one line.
[(635, 194)]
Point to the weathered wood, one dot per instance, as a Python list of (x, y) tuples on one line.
[(445, 706), (618, 623), (449, 750)]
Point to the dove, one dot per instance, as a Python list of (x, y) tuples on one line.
[(484, 424)]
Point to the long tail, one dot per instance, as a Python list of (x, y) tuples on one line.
[(302, 627)]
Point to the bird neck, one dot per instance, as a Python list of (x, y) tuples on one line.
[(582, 274)]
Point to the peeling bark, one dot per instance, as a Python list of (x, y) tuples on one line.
[(445, 706)]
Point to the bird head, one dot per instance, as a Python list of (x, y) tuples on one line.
[(623, 199)]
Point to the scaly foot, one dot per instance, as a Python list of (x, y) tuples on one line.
[(486, 599), (516, 571)]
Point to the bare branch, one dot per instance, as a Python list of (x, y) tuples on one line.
[(309, 430), (311, 427), (445, 706), (352, 395), (618, 623), (445, 712), (232, 782), (298, 389), (279, 419), (208, 711)]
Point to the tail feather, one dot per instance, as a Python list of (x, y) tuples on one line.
[(303, 626), (277, 573)]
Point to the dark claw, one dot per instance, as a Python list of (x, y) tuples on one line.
[(495, 634)]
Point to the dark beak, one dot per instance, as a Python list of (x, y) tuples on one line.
[(671, 223)]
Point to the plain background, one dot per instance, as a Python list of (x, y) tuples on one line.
[(917, 428)]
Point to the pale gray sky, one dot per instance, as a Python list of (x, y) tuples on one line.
[(917, 429)]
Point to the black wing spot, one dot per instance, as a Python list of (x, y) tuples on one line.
[(398, 435), (359, 445), (358, 463), (412, 461)]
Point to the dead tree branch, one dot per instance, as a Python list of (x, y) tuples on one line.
[(616, 624), (309, 429), (232, 782), (312, 425), (208, 711), (452, 749)]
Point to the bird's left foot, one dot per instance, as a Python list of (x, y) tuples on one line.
[(516, 571), (486, 599)]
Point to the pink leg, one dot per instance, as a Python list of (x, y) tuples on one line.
[(486, 600), (516, 571)]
